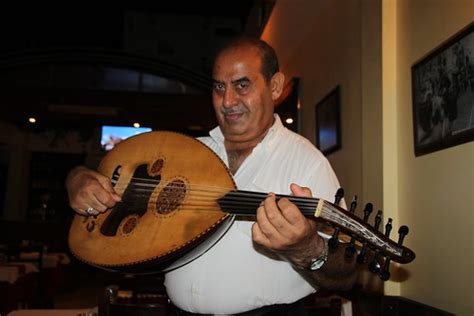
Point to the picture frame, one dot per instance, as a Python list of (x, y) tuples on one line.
[(328, 122), (443, 94)]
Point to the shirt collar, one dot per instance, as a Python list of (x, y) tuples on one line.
[(267, 142)]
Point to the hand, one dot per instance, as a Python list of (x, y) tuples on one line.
[(282, 228), (89, 189)]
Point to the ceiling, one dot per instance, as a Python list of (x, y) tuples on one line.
[(81, 65)]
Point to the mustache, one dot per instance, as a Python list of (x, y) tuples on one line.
[(235, 109)]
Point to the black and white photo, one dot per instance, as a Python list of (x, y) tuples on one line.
[(443, 95)]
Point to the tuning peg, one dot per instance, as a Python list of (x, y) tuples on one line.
[(388, 227), (385, 273), (353, 204), (362, 257), (369, 207), (402, 232), (378, 219), (374, 265), (350, 249), (339, 195), (333, 242)]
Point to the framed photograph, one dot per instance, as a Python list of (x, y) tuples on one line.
[(443, 94), (328, 122)]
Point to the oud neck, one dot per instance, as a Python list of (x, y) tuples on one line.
[(245, 203)]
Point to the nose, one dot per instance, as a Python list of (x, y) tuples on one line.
[(229, 98)]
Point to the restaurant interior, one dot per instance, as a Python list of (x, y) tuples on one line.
[(76, 80)]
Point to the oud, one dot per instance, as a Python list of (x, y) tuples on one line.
[(178, 199)]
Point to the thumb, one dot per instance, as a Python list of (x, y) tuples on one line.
[(298, 190)]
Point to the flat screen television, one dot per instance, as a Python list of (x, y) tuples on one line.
[(112, 135)]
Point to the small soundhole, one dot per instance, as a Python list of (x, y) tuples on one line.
[(156, 167), (90, 226), (171, 197), (130, 224)]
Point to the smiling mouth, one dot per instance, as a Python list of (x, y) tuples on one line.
[(233, 117)]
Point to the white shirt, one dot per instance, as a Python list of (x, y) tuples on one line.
[(233, 276)]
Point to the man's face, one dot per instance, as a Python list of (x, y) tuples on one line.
[(242, 99)]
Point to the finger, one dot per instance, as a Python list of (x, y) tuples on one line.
[(264, 224), (87, 197), (107, 185), (81, 204), (86, 211), (265, 227), (273, 213), (81, 211), (259, 237), (291, 213), (277, 229), (92, 212), (98, 206), (105, 198), (298, 190), (97, 193)]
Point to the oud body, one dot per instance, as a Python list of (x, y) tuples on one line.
[(169, 184)]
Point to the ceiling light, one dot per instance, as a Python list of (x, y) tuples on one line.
[(137, 125), (289, 120), (32, 120)]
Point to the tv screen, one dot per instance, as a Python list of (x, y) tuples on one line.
[(112, 135)]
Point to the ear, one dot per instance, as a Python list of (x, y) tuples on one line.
[(276, 85)]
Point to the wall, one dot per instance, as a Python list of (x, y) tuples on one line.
[(435, 191), (368, 47)]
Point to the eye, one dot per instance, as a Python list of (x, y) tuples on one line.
[(218, 86), (243, 85)]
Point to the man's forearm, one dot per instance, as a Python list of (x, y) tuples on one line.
[(337, 273)]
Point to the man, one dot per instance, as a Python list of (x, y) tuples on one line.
[(262, 267)]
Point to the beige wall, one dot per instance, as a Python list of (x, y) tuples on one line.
[(435, 191), (320, 42), (368, 47)]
